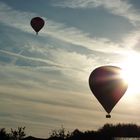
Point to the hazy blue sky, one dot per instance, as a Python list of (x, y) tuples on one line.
[(44, 78)]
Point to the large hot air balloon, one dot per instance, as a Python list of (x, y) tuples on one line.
[(108, 86), (37, 24)]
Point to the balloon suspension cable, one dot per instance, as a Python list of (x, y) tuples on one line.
[(36, 33), (108, 116)]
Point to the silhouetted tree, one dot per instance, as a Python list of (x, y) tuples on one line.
[(60, 134), (3, 134), (18, 134)]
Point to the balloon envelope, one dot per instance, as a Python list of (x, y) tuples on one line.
[(107, 85), (37, 24)]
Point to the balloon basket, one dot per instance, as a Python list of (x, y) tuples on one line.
[(108, 116)]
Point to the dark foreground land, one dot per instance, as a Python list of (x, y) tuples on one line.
[(107, 132)]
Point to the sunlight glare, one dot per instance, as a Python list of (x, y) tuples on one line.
[(131, 73)]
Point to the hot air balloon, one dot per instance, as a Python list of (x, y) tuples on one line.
[(108, 86), (37, 24)]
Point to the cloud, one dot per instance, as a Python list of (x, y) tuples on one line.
[(120, 7), (41, 105), (71, 64), (132, 40), (60, 59), (30, 60), (76, 37), (60, 31)]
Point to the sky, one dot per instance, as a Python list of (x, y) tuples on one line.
[(44, 78)]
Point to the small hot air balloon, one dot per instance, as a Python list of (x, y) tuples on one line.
[(108, 86), (37, 24)]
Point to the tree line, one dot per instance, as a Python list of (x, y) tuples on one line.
[(107, 132)]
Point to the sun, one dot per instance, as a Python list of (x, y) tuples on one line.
[(131, 72)]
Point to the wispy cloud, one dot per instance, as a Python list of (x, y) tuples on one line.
[(20, 20), (117, 7), (31, 60), (77, 37), (41, 104), (58, 58), (132, 40)]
